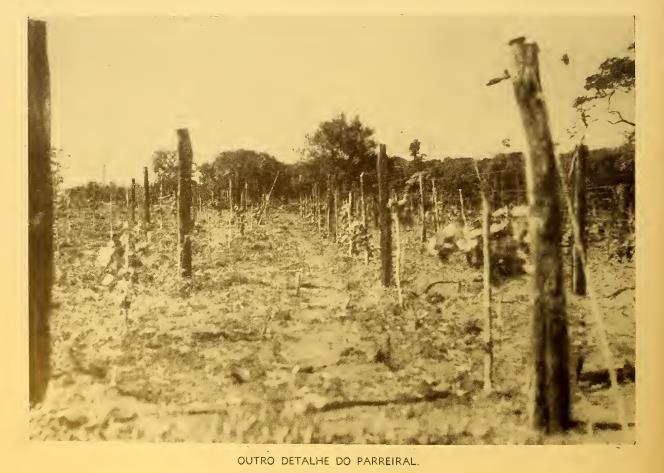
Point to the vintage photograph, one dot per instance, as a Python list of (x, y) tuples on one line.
[(404, 230)]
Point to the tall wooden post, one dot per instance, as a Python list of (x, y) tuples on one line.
[(184, 200), (40, 210), (580, 211), (328, 209), (423, 233), (486, 277), (384, 216), (434, 196), (363, 204), (161, 202), (336, 210), (132, 200), (463, 212), (550, 401), (146, 193)]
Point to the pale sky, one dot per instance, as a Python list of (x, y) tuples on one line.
[(121, 86)]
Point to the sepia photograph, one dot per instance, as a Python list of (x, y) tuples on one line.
[(301, 229)]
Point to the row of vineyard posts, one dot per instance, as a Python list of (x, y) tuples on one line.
[(550, 406), (550, 385)]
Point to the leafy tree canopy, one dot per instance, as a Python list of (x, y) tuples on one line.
[(341, 147)]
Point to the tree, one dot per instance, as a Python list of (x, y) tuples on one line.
[(255, 168), (342, 148), (165, 166), (615, 74)]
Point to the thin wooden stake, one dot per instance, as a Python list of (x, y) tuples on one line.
[(185, 155), (580, 210), (486, 279), (146, 195), (595, 310), (463, 213), (132, 200), (384, 216), (397, 256), (230, 212), (423, 231), (434, 196)]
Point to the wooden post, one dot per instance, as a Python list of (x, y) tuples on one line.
[(229, 235), (550, 401), (349, 222), (434, 197), (580, 210), (184, 200), (110, 213), (146, 195), (384, 216), (317, 206), (486, 278), (463, 213), (336, 211), (363, 204), (40, 211), (423, 232), (328, 209), (363, 213), (397, 257), (161, 202), (132, 200)]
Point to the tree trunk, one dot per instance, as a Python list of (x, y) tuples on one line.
[(580, 210), (184, 200), (40, 210), (384, 216), (550, 401)]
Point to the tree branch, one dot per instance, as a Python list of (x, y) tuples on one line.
[(621, 119)]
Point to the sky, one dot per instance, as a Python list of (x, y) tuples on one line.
[(122, 86)]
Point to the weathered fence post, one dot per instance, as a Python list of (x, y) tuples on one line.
[(336, 210), (229, 235), (328, 208), (363, 204), (434, 196), (550, 402), (132, 200), (110, 212), (161, 202), (486, 278), (363, 213), (394, 209), (384, 216), (184, 200), (146, 192), (423, 234), (463, 213), (40, 210), (580, 210)]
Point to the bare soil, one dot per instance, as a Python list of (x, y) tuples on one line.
[(238, 355)]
